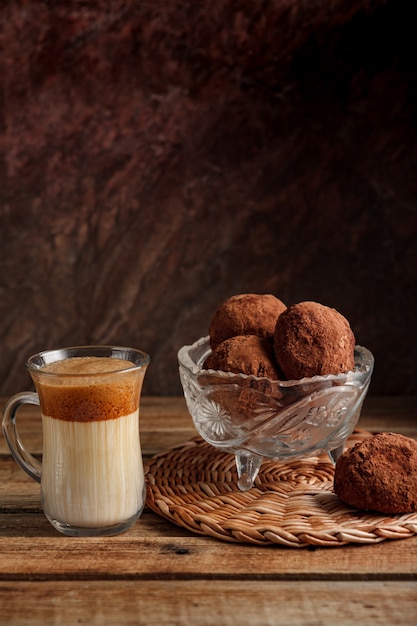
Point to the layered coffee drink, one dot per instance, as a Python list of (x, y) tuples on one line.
[(92, 469)]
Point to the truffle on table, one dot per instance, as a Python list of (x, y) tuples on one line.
[(379, 474), (245, 314), (312, 339), (244, 354)]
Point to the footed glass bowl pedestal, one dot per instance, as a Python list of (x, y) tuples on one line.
[(256, 418)]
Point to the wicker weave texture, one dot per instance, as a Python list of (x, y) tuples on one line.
[(195, 486)]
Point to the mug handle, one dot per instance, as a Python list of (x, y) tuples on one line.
[(26, 461)]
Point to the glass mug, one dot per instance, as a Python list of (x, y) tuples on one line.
[(91, 475)]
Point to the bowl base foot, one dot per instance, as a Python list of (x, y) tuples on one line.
[(247, 464)]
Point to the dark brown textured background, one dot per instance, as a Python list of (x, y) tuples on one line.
[(159, 156)]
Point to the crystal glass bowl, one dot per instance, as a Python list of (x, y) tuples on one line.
[(256, 418)]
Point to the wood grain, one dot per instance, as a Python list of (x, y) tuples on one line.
[(208, 602), (139, 555)]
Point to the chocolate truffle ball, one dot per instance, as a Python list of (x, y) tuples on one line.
[(244, 354), (245, 314), (379, 474), (312, 339)]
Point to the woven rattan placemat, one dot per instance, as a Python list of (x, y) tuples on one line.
[(195, 486)]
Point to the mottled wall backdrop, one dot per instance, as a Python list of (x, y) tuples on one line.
[(158, 156)]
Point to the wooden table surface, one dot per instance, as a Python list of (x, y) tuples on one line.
[(158, 574)]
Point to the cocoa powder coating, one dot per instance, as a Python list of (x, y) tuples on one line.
[(245, 314), (312, 339), (379, 474), (244, 354)]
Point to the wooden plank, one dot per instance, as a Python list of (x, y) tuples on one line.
[(390, 407), (390, 413), (141, 553), (204, 603)]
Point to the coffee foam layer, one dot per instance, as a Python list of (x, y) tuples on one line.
[(82, 365), (85, 389)]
